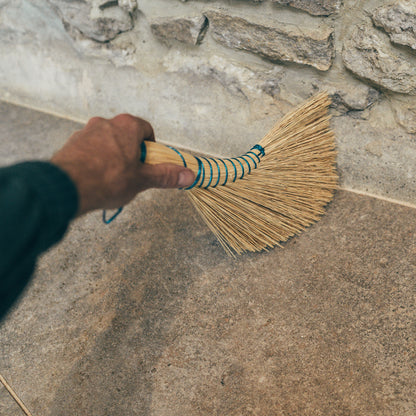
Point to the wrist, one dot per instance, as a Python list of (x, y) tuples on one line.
[(80, 178)]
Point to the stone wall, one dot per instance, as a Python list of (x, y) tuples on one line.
[(214, 76)]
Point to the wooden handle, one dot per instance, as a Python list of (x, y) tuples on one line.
[(209, 172), (156, 153)]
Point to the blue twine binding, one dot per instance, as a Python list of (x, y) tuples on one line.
[(255, 163), (219, 173), (260, 149), (107, 221), (180, 154), (211, 173), (226, 172), (235, 169), (248, 164), (257, 156), (249, 156), (242, 168), (200, 177), (142, 152)]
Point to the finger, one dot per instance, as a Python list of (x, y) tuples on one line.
[(166, 175)]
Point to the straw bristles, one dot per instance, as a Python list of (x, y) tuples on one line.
[(286, 193)]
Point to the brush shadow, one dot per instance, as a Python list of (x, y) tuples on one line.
[(151, 268)]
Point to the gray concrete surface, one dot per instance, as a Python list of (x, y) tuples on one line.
[(148, 316)]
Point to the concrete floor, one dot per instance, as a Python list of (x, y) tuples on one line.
[(148, 316)]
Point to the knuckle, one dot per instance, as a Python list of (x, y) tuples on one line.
[(95, 120), (124, 117), (127, 121), (134, 125)]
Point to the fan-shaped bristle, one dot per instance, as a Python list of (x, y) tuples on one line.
[(286, 193)]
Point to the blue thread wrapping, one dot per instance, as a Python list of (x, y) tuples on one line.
[(180, 154), (105, 221), (226, 172), (260, 149), (201, 170), (198, 175), (211, 173), (248, 164), (242, 167), (257, 156), (219, 173), (143, 152), (248, 155), (202, 175), (235, 169)]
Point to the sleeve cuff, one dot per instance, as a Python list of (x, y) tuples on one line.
[(54, 187)]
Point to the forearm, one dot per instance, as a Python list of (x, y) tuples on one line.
[(37, 201)]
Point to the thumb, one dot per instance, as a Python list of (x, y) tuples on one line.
[(167, 175)]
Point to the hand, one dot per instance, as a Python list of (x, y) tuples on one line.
[(103, 160)]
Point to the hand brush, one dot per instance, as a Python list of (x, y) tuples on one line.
[(260, 199)]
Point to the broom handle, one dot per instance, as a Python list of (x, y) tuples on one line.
[(209, 172)]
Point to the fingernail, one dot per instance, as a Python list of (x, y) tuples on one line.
[(186, 178)]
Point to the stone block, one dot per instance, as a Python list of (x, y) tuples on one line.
[(314, 7), (405, 115), (281, 43), (101, 24), (128, 5), (348, 96), (369, 57), (399, 21), (190, 30)]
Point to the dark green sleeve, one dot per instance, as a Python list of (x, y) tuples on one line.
[(37, 202)]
